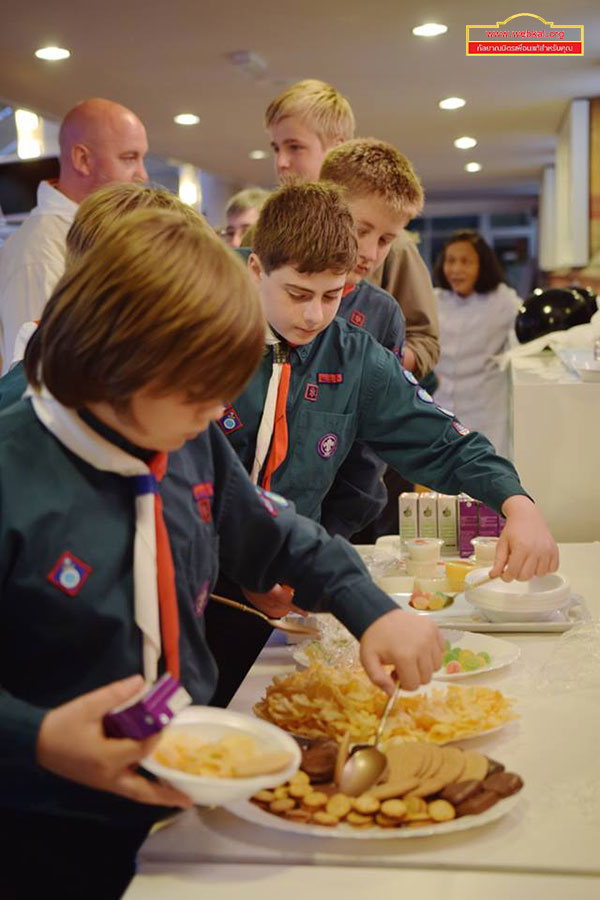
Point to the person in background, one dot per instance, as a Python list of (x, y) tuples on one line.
[(94, 216), (477, 312), (241, 214), (119, 500), (100, 142), (304, 123)]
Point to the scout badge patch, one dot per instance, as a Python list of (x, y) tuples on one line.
[(202, 494), (327, 445), (230, 421), (311, 392), (69, 574)]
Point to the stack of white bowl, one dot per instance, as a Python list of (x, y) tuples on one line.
[(518, 601)]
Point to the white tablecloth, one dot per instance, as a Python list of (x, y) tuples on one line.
[(553, 831)]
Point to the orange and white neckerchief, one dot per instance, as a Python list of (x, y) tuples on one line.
[(276, 399), (155, 600)]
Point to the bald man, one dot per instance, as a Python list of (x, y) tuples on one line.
[(100, 142)]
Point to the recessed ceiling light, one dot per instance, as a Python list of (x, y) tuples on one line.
[(452, 103), (52, 53), (258, 154), (430, 29), (186, 119), (473, 167), (465, 143)]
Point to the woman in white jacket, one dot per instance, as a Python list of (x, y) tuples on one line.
[(477, 313)]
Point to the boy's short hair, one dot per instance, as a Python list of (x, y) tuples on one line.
[(161, 303), (249, 198), (318, 104), (97, 212), (365, 167), (308, 226)]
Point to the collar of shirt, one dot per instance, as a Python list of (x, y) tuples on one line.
[(114, 437), (51, 202)]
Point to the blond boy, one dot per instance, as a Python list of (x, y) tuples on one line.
[(306, 121)]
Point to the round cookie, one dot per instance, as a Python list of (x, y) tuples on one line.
[(476, 766), (451, 769)]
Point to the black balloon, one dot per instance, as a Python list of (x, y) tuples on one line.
[(555, 309), (588, 295)]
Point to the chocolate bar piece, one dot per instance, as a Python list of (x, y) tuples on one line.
[(503, 783), (461, 791), (477, 804)]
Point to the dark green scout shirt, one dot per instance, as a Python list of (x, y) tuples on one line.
[(56, 645), (358, 494), (345, 387)]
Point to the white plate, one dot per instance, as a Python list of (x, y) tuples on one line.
[(502, 653), (575, 613), (253, 813), (464, 616)]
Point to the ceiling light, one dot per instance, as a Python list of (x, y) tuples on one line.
[(465, 143), (186, 119), (452, 103), (52, 53), (473, 167), (430, 29), (258, 154)]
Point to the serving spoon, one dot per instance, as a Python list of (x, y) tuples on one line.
[(279, 624), (366, 763)]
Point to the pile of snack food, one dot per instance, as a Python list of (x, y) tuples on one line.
[(325, 701), (424, 785), (234, 756)]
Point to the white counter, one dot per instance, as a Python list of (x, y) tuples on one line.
[(547, 846), (556, 443)]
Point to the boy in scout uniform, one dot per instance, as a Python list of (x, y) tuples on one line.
[(305, 122), (383, 193), (324, 384), (119, 500)]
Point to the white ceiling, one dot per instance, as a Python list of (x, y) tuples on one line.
[(164, 58)]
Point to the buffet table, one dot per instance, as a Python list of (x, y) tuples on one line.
[(548, 844)]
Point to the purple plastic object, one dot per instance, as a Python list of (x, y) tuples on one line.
[(149, 712), (468, 524)]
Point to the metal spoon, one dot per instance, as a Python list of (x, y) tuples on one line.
[(366, 764), (280, 624)]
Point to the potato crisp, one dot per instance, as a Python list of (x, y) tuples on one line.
[(323, 701)]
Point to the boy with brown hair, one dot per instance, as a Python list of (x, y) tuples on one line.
[(305, 122), (118, 501), (324, 384)]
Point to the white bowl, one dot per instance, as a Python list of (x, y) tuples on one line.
[(212, 724), (485, 549), (518, 601), (424, 549)]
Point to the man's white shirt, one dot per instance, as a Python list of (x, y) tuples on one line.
[(31, 262)]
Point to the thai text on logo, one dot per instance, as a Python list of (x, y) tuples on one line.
[(524, 34)]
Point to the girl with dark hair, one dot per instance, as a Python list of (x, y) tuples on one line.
[(477, 312)]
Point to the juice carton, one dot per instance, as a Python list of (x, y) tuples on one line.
[(428, 526), (468, 523), (408, 515), (488, 521), (447, 522)]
